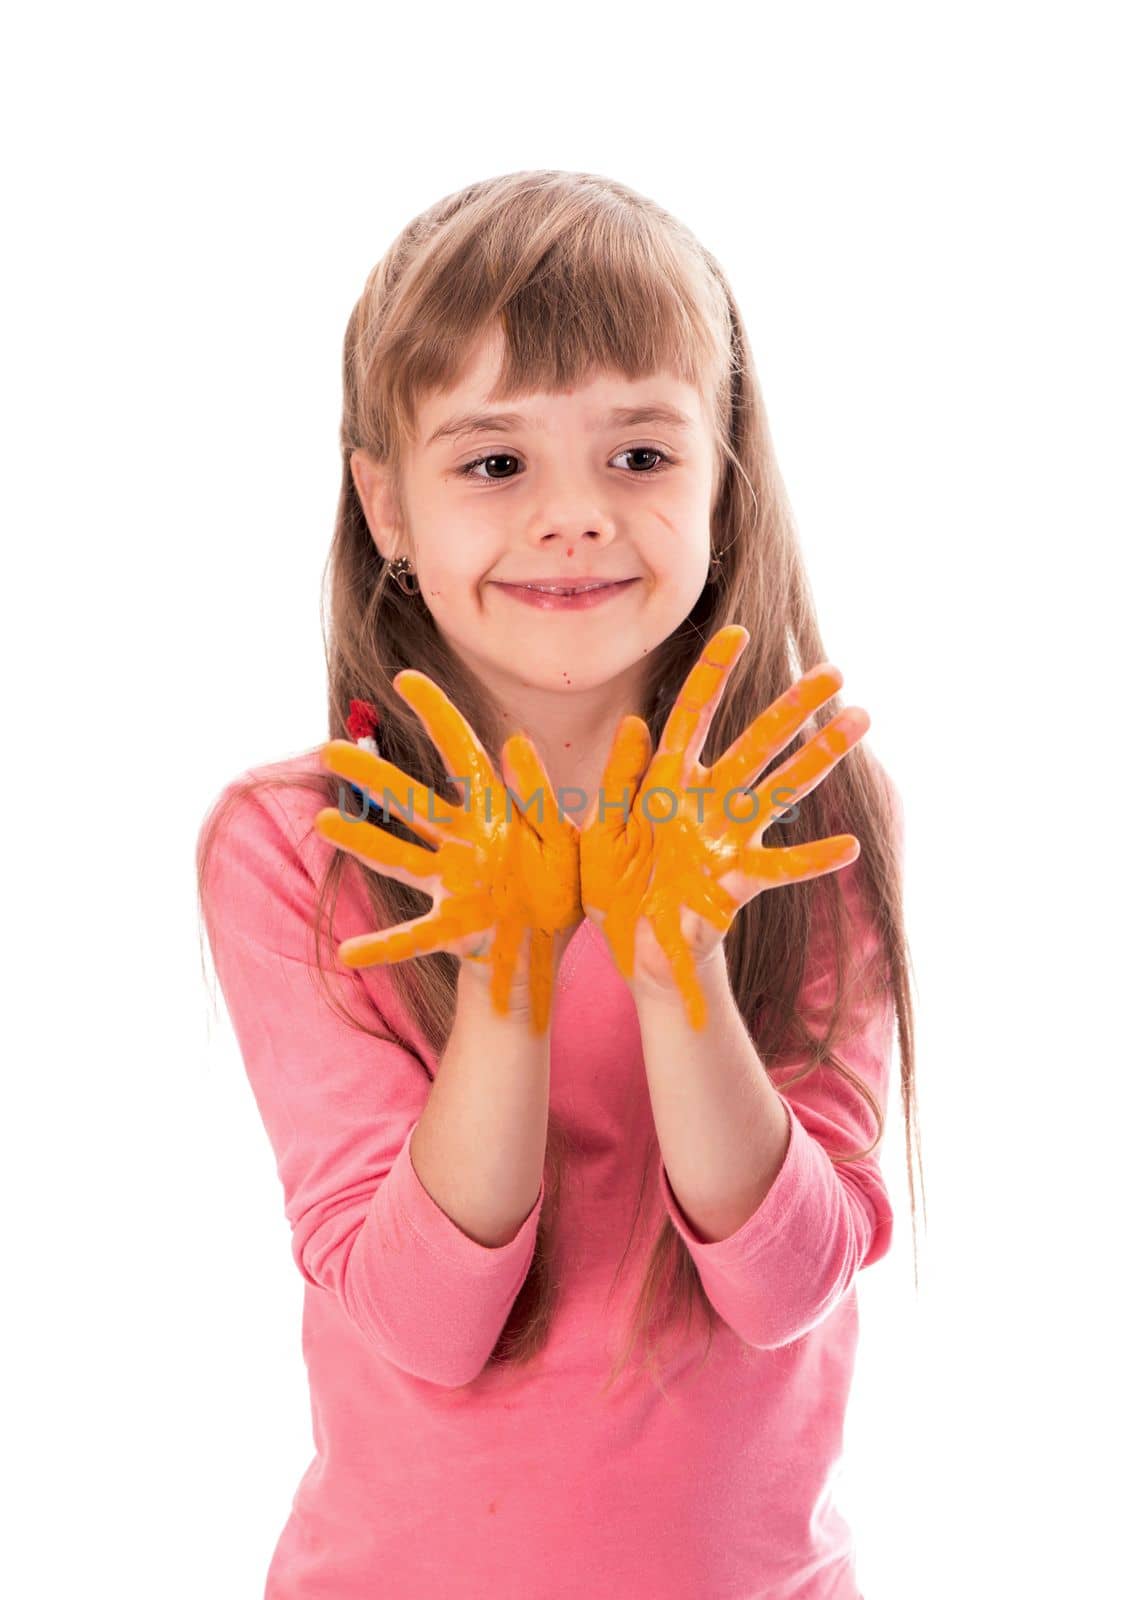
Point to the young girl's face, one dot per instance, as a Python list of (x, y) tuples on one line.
[(561, 488)]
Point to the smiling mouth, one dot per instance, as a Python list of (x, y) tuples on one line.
[(569, 596), (581, 587)]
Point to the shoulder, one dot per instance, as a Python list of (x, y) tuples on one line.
[(260, 860), (261, 866), (267, 811)]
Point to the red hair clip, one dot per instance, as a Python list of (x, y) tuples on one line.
[(362, 723)]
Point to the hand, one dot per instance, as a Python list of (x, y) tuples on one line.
[(495, 877), (664, 883)]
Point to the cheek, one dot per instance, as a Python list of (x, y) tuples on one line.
[(676, 545), (449, 582)]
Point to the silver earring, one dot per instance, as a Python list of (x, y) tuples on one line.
[(406, 580)]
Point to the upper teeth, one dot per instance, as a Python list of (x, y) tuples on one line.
[(563, 588)]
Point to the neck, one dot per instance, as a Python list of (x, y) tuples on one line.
[(573, 731)]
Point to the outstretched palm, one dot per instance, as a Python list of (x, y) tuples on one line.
[(505, 882), (666, 880)]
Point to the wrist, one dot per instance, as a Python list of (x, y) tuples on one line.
[(711, 972), (478, 978)]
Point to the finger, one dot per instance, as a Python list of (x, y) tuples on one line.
[(800, 774), (627, 762), (416, 805), (396, 858), (436, 930), (525, 776), (686, 728), (795, 863), (541, 978), (463, 754), (768, 734), (553, 825)]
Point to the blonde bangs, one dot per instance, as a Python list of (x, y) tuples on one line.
[(579, 284)]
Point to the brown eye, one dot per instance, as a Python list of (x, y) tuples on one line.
[(469, 470), (662, 459)]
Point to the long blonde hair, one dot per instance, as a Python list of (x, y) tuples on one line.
[(585, 275)]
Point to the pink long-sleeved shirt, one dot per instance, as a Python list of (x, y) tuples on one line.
[(435, 1475)]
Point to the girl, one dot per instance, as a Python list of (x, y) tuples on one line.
[(575, 1088)]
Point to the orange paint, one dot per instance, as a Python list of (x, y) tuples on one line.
[(683, 861), (507, 879), (666, 860)]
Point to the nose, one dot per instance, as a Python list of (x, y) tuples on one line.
[(568, 506), (589, 529)]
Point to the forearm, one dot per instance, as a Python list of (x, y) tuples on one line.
[(723, 1132), (479, 1145)]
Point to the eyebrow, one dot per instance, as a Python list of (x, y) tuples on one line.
[(473, 422)]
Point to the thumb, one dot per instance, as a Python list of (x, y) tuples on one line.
[(628, 761)]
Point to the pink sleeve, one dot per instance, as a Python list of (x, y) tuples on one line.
[(339, 1107), (789, 1265)]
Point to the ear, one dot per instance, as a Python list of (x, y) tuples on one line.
[(373, 484)]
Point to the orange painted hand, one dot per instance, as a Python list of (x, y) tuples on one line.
[(665, 877), (505, 881)]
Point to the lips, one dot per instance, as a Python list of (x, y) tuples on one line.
[(572, 594), (564, 588), (561, 585)]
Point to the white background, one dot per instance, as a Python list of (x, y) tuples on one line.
[(922, 213)]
